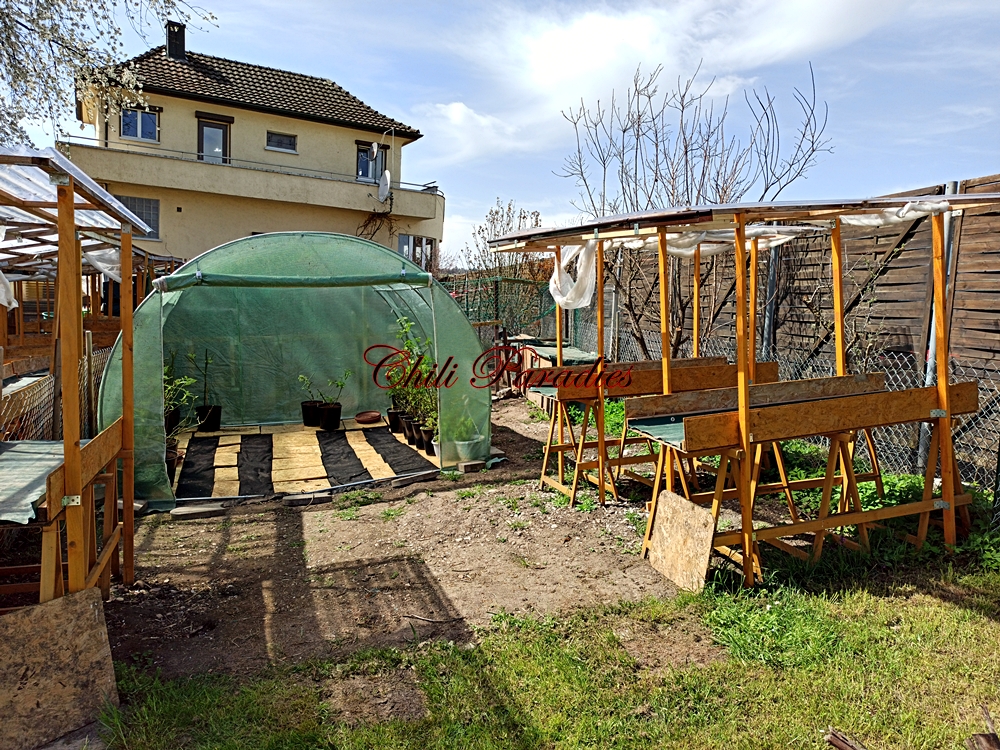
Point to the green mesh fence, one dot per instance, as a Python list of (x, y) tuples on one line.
[(269, 308), (520, 305)]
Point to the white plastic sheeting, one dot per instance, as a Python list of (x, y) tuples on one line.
[(108, 262), (6, 293), (570, 294), (909, 212)]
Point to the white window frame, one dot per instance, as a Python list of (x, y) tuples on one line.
[(282, 150), (140, 112)]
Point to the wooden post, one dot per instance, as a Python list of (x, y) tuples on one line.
[(88, 347), (128, 411), (837, 269), (696, 305), (743, 393), (601, 448), (19, 295), (943, 380), (69, 340), (558, 407), (664, 310), (38, 306), (4, 314), (752, 325)]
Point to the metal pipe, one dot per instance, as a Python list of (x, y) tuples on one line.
[(770, 305)]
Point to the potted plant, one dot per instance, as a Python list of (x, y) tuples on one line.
[(428, 431), (177, 402), (177, 397), (310, 408), (331, 410), (466, 436), (209, 415)]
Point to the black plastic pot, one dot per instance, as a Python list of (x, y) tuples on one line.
[(209, 418), (428, 436), (329, 416), (418, 438), (408, 427), (310, 413), (393, 416), (171, 419), (172, 458)]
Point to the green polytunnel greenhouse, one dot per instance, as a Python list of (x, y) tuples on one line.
[(271, 307)]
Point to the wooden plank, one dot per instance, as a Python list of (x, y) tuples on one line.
[(648, 382), (837, 270), (95, 455), (943, 355), (128, 409), (55, 669), (744, 436), (680, 543), (825, 416), (836, 520), (789, 391), (663, 268), (696, 303)]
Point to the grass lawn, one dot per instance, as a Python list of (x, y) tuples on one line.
[(897, 649)]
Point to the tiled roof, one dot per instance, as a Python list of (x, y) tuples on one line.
[(239, 84)]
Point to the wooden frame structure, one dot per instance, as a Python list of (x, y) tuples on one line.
[(67, 210), (746, 423)]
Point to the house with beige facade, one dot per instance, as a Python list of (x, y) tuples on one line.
[(224, 149)]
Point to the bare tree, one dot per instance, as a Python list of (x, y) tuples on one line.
[(650, 150), (500, 220), (52, 48)]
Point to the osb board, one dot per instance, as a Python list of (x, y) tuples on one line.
[(307, 485), (55, 669), (681, 542)]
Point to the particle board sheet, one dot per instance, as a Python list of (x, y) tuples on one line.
[(55, 669), (297, 462), (681, 541)]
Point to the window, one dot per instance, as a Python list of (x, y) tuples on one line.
[(418, 249), (370, 170), (213, 142), (147, 209), (141, 125), (282, 142)]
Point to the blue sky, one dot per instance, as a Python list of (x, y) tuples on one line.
[(913, 87)]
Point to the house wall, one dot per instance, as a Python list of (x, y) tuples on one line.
[(203, 205), (327, 148)]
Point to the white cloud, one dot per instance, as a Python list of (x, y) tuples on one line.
[(540, 61)]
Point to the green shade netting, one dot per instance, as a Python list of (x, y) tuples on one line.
[(271, 307)]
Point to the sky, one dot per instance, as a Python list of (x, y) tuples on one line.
[(912, 86)]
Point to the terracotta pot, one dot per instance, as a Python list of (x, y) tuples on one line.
[(209, 418), (310, 413), (329, 416)]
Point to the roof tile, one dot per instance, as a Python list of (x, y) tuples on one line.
[(258, 87)]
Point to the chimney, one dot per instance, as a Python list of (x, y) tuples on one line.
[(175, 41)]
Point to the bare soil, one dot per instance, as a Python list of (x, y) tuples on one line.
[(268, 584)]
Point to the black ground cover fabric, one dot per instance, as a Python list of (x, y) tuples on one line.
[(402, 459), (254, 465), (340, 461), (198, 470)]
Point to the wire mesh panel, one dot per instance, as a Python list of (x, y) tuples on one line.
[(518, 305), (26, 414)]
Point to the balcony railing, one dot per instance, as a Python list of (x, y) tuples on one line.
[(261, 166)]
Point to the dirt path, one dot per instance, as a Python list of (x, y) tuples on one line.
[(268, 583)]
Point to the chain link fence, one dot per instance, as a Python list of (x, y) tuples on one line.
[(26, 413), (516, 305), (902, 449)]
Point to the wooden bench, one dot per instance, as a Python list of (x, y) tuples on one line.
[(838, 408)]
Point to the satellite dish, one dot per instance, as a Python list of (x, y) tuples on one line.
[(373, 151), (383, 186)]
